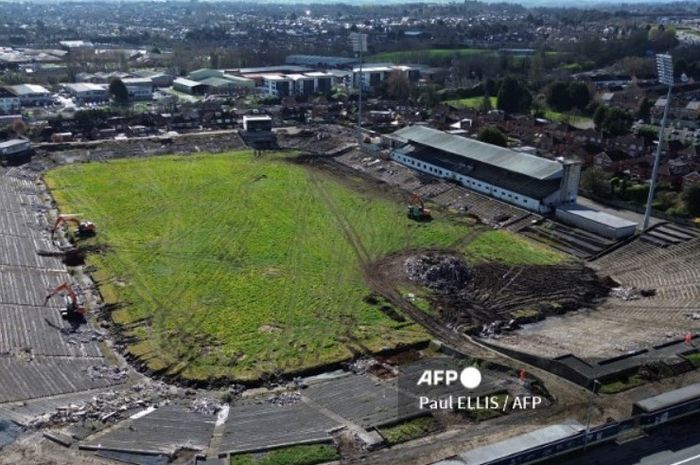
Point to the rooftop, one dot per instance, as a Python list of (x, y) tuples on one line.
[(26, 89), (597, 216), (500, 157), (84, 86), (527, 441), (314, 60), (670, 398), (12, 143), (187, 82)]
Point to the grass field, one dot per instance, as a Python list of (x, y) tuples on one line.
[(509, 248), (230, 266), (471, 102), (416, 56), (293, 455)]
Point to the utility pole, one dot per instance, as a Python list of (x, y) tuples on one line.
[(359, 46), (664, 67)]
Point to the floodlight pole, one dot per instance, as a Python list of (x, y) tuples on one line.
[(359, 45), (666, 77), (359, 103)]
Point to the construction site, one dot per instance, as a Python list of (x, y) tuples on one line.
[(206, 299)]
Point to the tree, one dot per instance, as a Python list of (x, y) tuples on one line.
[(617, 122), (595, 180), (398, 86), (691, 199), (486, 105), (513, 96), (492, 135), (118, 92), (563, 96), (579, 94), (644, 109), (558, 96), (19, 127), (599, 117)]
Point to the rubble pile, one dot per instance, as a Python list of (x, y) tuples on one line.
[(442, 273), (631, 293), (83, 336), (494, 328), (205, 406), (109, 406), (285, 398), (112, 373)]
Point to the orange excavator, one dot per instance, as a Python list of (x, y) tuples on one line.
[(417, 210), (85, 228), (72, 309)]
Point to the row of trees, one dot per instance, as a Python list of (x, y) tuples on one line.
[(669, 198)]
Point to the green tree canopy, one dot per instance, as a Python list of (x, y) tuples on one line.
[(492, 135), (118, 92), (691, 199), (514, 96)]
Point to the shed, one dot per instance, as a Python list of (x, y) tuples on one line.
[(595, 221)]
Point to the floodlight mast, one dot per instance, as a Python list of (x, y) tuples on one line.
[(359, 45), (664, 67)]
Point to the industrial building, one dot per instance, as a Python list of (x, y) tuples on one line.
[(320, 61), (87, 91), (257, 123), (216, 81), (277, 85), (188, 86), (14, 148), (528, 181), (373, 76), (31, 94), (139, 88), (9, 102)]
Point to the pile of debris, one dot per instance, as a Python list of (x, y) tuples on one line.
[(285, 398), (108, 406), (631, 293), (82, 336), (440, 272), (205, 406), (495, 328), (111, 373)]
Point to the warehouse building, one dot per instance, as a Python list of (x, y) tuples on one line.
[(9, 102), (372, 76), (319, 61), (277, 85), (188, 86), (139, 88), (31, 94), (15, 148), (87, 91), (528, 181)]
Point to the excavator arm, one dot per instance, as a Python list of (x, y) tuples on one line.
[(84, 227), (72, 307)]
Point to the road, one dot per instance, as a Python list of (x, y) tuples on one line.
[(674, 444)]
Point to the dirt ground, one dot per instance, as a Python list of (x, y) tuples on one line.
[(493, 292), (34, 449)]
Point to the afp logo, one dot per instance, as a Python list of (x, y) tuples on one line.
[(470, 378)]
